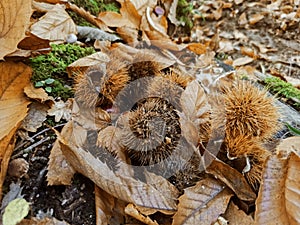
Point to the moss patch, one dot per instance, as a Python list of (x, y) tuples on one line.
[(49, 71), (284, 89)]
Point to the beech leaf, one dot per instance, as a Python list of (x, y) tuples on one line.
[(232, 178), (194, 103), (55, 25), (279, 195), (14, 77), (202, 203), (117, 183), (14, 20)]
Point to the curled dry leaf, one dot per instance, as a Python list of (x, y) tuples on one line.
[(202, 203), (128, 16), (289, 145), (55, 25), (131, 210), (235, 216), (38, 94), (232, 178), (278, 197), (32, 42), (118, 184), (14, 20)]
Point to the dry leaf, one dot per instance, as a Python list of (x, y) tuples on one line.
[(118, 183), (60, 172), (61, 110), (242, 61), (194, 103), (235, 216), (202, 203), (14, 77), (198, 48), (105, 203), (6, 148), (38, 94), (44, 221), (289, 145), (32, 42), (232, 178), (36, 116), (55, 25), (88, 16), (14, 20), (278, 197), (128, 16), (255, 18), (131, 210), (91, 60)]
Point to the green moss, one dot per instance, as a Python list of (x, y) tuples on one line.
[(184, 14), (49, 71), (282, 88)]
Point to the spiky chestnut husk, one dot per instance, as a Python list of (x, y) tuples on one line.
[(143, 65), (152, 132), (98, 87), (247, 111), (252, 148), (165, 89)]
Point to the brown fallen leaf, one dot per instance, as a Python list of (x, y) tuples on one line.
[(235, 216), (232, 178), (13, 103), (6, 148), (32, 42), (288, 145), (128, 16), (60, 172), (96, 59), (55, 25), (131, 210), (278, 197), (38, 94), (36, 116), (202, 203), (88, 16), (253, 19), (242, 61), (14, 20), (44, 221), (118, 182), (194, 103), (105, 203)]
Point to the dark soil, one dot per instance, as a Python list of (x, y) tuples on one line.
[(74, 204)]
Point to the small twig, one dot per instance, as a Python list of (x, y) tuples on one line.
[(37, 134), (29, 148)]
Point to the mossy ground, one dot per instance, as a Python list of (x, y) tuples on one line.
[(284, 89), (49, 71)]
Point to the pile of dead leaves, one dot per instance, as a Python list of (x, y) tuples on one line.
[(110, 94)]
